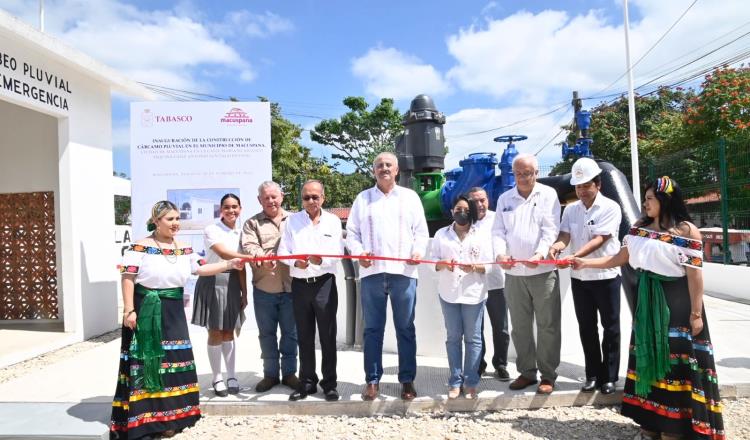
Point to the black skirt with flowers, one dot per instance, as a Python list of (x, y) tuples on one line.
[(687, 400), (137, 412)]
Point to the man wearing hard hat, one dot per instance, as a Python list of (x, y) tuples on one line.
[(589, 229)]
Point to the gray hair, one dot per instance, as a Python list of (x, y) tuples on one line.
[(385, 153), (526, 157), (322, 187), (269, 184)]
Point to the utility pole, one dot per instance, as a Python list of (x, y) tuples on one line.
[(41, 15), (631, 112)]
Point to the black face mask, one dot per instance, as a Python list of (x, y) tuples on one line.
[(461, 218)]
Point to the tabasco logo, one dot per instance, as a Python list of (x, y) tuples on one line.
[(236, 116)]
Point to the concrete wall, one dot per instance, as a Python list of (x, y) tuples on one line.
[(28, 146), (430, 325), (79, 163), (727, 281)]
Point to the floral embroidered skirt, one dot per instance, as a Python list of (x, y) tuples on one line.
[(136, 412), (687, 400)]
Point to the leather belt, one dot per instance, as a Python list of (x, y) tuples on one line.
[(313, 280)]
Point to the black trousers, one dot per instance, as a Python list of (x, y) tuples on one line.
[(316, 302), (497, 309), (602, 297)]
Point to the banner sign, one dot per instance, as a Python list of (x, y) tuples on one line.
[(192, 153)]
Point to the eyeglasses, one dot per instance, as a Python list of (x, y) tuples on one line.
[(308, 198)]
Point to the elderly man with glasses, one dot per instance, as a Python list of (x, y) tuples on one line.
[(526, 225), (314, 294)]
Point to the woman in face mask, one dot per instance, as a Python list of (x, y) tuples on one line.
[(461, 251)]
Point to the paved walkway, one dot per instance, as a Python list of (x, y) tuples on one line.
[(72, 397)]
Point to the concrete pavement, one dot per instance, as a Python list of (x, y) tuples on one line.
[(72, 397)]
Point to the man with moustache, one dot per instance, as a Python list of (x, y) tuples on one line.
[(314, 294), (388, 220), (272, 298), (497, 309), (526, 225), (589, 229)]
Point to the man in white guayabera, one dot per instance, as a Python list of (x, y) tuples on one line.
[(388, 220)]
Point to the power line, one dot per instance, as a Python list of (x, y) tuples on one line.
[(510, 124), (562, 128), (651, 48)]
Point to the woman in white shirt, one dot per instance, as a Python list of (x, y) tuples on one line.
[(220, 299), (460, 249), (157, 386), (671, 388)]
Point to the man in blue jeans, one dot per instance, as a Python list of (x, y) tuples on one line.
[(388, 220), (272, 298)]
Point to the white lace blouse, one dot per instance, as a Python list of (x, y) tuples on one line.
[(160, 268), (662, 253)]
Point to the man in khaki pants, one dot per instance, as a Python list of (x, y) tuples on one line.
[(527, 223)]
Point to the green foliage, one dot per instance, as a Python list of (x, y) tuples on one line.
[(293, 164), (360, 134), (722, 110), (122, 210)]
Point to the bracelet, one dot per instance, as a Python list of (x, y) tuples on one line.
[(128, 313), (696, 315)]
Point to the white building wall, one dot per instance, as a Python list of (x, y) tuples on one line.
[(80, 159)]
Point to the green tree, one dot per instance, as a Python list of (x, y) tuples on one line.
[(294, 163), (360, 134), (722, 109), (659, 122)]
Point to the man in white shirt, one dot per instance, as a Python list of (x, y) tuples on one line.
[(497, 308), (388, 220), (589, 229), (314, 294), (526, 224)]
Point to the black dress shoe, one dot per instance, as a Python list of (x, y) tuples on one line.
[(220, 392), (331, 395), (502, 374), (482, 367), (589, 386), (408, 392), (608, 388), (302, 393)]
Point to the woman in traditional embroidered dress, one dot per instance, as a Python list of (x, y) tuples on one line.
[(157, 387), (671, 388), (463, 292), (219, 300)]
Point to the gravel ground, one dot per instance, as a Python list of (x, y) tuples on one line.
[(562, 423)]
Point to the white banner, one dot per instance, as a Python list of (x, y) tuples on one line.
[(192, 153)]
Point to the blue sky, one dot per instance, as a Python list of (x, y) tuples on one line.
[(485, 63)]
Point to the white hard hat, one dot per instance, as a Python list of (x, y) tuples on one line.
[(584, 169)]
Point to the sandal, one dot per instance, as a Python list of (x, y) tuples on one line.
[(233, 388), (220, 392)]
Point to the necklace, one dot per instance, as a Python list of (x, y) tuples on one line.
[(172, 259)]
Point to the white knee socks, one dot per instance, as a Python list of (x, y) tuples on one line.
[(214, 358), (227, 348)]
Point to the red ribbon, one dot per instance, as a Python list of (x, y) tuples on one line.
[(381, 258)]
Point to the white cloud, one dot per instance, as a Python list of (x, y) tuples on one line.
[(390, 73), (253, 25), (539, 131), (166, 47), (531, 57)]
